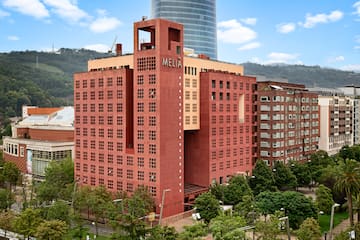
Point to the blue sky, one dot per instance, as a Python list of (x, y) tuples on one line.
[(310, 32)]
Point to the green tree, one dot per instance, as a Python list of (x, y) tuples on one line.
[(247, 208), (59, 210), (309, 230), (59, 180), (27, 222), (194, 232), (348, 180), (294, 204), (284, 178), (262, 178), (223, 225), (51, 230), (324, 199), (207, 206), (319, 161), (163, 233), (11, 173), (6, 199), (6, 220), (302, 173), (268, 230), (236, 189)]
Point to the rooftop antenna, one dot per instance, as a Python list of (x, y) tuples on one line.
[(112, 46)]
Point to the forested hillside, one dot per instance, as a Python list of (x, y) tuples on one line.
[(311, 76)]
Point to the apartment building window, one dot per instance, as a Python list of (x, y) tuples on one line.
[(84, 83), (85, 120), (140, 120), (92, 146), (110, 107), (85, 96), (110, 158), (119, 107), (119, 186), (110, 184), (109, 82), (119, 120), (110, 94), (101, 82), (101, 132), (110, 120), (129, 161), (140, 107), (213, 96), (140, 93), (119, 172), (140, 148), (92, 83), (141, 162), (101, 107), (119, 81), (152, 79), (213, 83), (152, 93), (152, 107), (119, 133), (92, 155), (152, 121), (101, 145), (129, 174), (119, 146), (85, 167), (92, 95), (152, 191), (77, 84), (77, 96), (140, 80), (92, 107), (92, 168), (101, 120), (152, 135), (141, 175), (119, 159), (152, 177), (119, 94), (140, 134), (101, 181), (129, 187), (85, 107), (110, 133), (227, 85), (152, 163), (110, 146), (101, 95), (221, 84), (92, 119), (101, 170)]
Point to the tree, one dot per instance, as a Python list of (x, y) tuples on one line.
[(348, 180), (6, 199), (194, 232), (59, 210), (59, 180), (262, 178), (284, 178), (247, 209), (51, 230), (268, 230), (6, 219), (11, 173), (27, 222), (236, 189), (294, 204), (302, 173), (207, 206), (324, 199), (164, 233), (223, 225), (309, 230), (319, 161)]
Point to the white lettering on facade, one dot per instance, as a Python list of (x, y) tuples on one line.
[(172, 62)]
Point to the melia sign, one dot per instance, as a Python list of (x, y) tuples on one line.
[(171, 62)]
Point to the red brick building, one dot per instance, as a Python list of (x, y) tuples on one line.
[(288, 122), (130, 124)]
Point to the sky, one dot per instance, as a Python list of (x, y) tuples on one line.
[(309, 32)]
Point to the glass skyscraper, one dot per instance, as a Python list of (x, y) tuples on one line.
[(198, 18)]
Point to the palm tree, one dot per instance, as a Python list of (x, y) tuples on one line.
[(348, 181)]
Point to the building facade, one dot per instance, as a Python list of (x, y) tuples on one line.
[(288, 122), (336, 114), (44, 135), (198, 18), (143, 119)]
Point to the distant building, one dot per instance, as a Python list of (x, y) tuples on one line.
[(336, 115), (354, 93), (173, 123), (44, 135), (198, 18), (288, 122)]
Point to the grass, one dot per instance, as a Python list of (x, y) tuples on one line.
[(324, 220)]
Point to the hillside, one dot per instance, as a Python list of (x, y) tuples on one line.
[(311, 76), (39, 78)]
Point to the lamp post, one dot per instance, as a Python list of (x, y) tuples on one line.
[(162, 203), (332, 219), (286, 218), (120, 201)]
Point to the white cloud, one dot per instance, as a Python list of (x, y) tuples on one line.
[(249, 21), (312, 21), (286, 27), (33, 8), (351, 67), (13, 38), (336, 59), (278, 57), (357, 8), (249, 46), (104, 24), (232, 31), (98, 47), (67, 10), (4, 14)]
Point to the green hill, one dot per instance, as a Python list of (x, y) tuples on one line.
[(311, 76)]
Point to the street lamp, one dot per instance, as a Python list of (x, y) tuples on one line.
[(120, 201), (332, 219), (162, 204), (286, 218)]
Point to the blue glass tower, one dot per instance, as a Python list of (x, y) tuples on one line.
[(198, 18)]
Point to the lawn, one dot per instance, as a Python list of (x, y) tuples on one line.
[(324, 220)]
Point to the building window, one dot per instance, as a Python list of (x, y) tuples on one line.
[(101, 95), (119, 133), (140, 148), (152, 93), (129, 174), (101, 107), (152, 79), (141, 175), (109, 82), (110, 184), (140, 107), (152, 121), (140, 93), (129, 161), (152, 163), (101, 120), (101, 132), (110, 107), (100, 82), (152, 135), (119, 146), (140, 120), (119, 81), (140, 80), (152, 149), (110, 133), (109, 94), (119, 120), (119, 159), (152, 177), (119, 94), (152, 107), (141, 162), (119, 172), (92, 83), (140, 134), (119, 107)]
